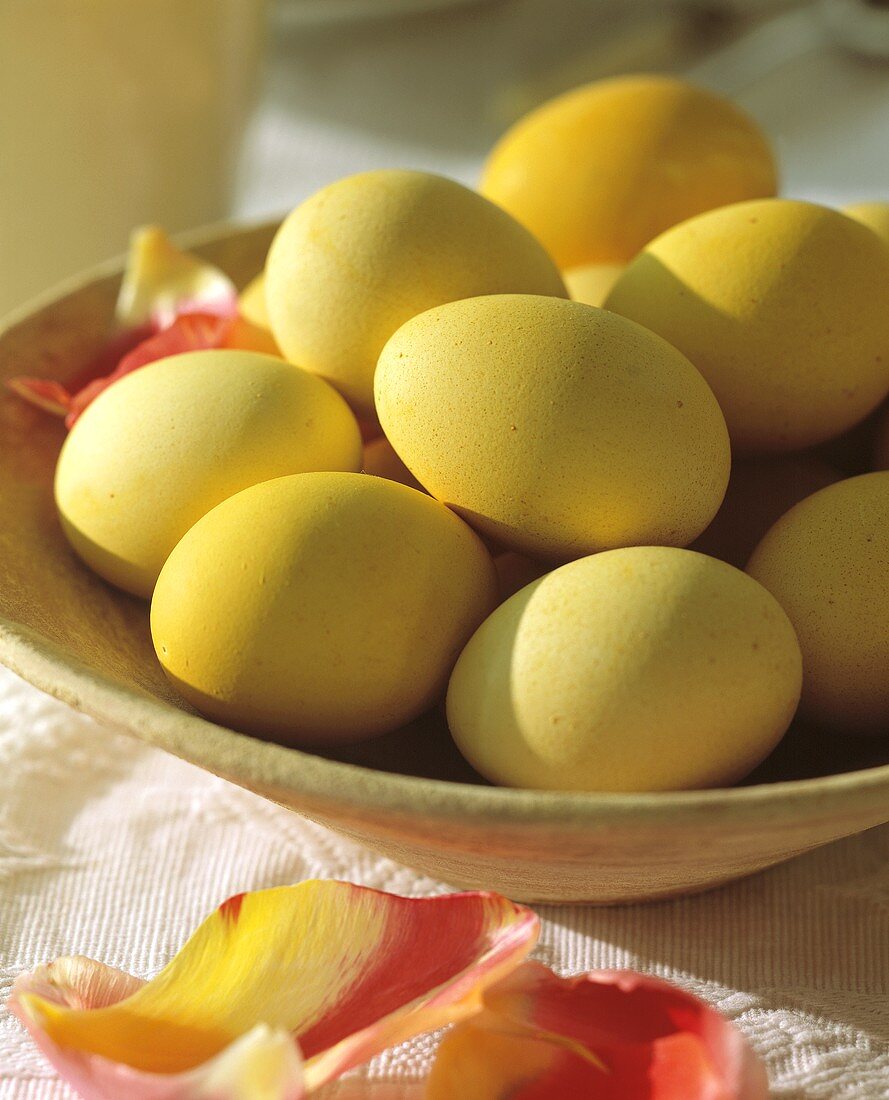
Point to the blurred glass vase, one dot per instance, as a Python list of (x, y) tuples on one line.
[(114, 114)]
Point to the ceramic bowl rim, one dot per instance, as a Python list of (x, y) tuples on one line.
[(335, 783)]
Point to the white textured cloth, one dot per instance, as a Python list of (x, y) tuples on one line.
[(115, 850)]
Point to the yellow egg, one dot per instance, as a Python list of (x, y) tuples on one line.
[(319, 608), (827, 563), (760, 491), (365, 254), (780, 305), (252, 303), (381, 460), (599, 171), (168, 442), (591, 284), (554, 428), (875, 215), (640, 669)]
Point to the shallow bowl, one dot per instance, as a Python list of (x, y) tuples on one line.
[(408, 795)]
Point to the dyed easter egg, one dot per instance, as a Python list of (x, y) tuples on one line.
[(320, 608)]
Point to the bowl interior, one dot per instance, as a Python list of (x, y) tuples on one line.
[(47, 596)]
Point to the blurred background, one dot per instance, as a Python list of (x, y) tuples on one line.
[(186, 112)]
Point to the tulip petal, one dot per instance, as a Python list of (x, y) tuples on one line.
[(161, 281), (43, 393), (69, 401), (262, 1065), (189, 332), (341, 971), (477, 1062), (647, 1040), (169, 302)]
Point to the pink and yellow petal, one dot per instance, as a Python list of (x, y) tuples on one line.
[(43, 393), (77, 982), (169, 302), (190, 332), (478, 1062), (648, 1041), (344, 970), (161, 281), (408, 989), (262, 1065)]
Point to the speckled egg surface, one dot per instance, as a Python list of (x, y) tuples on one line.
[(640, 669), (321, 607), (599, 171), (555, 428), (365, 254), (773, 301), (165, 444), (827, 563)]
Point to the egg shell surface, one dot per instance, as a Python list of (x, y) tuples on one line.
[(320, 608), (779, 304), (827, 563), (598, 172), (365, 254), (165, 444), (875, 215), (556, 429), (639, 669)]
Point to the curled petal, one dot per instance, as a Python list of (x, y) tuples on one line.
[(189, 332), (341, 971), (78, 982), (481, 1062), (169, 302), (44, 393), (616, 1035), (161, 281), (69, 401), (263, 1064), (194, 332)]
